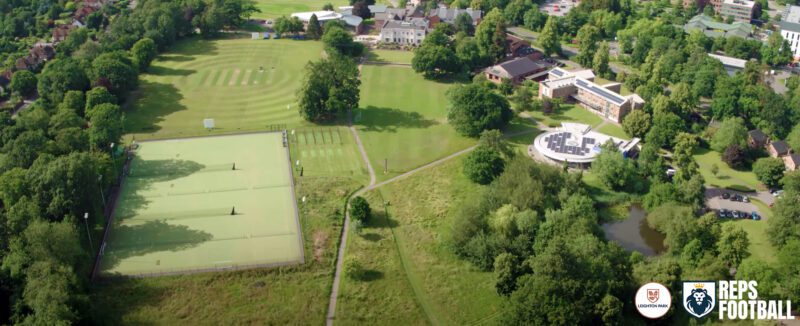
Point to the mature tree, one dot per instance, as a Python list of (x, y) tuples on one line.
[(677, 223), (549, 38), (615, 171), (23, 82), (361, 9), (106, 125), (330, 87), (776, 52), (360, 210), (523, 99), (23, 150), (314, 29), (286, 25), (514, 13), (734, 156), (784, 225), (338, 40), (636, 123), (730, 132), (435, 60), (463, 23), (115, 71), (769, 170), (483, 165), (793, 139), (535, 19), (491, 35), (143, 52), (65, 118), (60, 76), (475, 108), (506, 272), (328, 7), (733, 245), (600, 61), (588, 36), (666, 127), (469, 53), (97, 96), (494, 139)]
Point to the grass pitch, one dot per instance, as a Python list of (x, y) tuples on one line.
[(244, 84), (176, 209), (277, 8)]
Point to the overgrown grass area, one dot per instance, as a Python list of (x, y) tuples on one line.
[(390, 56), (243, 84), (403, 120), (411, 277), (726, 177), (277, 8), (568, 113), (280, 296)]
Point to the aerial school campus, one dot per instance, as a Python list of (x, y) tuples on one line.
[(412, 162)]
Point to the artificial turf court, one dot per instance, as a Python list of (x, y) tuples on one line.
[(174, 211), (244, 84)]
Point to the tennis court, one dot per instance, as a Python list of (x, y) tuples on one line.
[(204, 204)]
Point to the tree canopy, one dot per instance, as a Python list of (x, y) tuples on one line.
[(475, 108)]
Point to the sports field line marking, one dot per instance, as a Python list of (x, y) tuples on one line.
[(246, 77), (234, 76)]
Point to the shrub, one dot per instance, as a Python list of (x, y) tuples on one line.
[(360, 210)]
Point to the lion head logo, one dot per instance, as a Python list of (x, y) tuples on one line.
[(699, 303)]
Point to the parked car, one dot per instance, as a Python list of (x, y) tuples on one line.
[(722, 213), (735, 214), (736, 197), (777, 193), (755, 216), (726, 195), (745, 199)]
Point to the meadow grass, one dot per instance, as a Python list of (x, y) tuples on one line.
[(277, 8), (244, 84), (403, 119), (415, 273), (280, 296), (726, 177)]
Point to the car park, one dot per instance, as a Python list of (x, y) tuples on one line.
[(754, 215)]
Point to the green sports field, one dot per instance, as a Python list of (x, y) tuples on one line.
[(277, 8), (244, 84), (174, 213)]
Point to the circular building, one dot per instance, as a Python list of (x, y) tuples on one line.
[(578, 145)]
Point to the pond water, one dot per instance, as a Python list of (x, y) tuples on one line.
[(635, 234)]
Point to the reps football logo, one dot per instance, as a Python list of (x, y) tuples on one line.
[(699, 297)]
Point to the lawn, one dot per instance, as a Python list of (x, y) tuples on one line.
[(612, 129), (390, 56), (295, 295), (220, 79), (726, 177), (568, 113), (185, 208), (412, 277), (327, 151), (760, 248), (403, 120), (277, 8)]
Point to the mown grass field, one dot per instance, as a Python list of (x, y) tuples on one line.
[(403, 119), (244, 84), (413, 278), (567, 113), (390, 56), (281, 296), (726, 177), (760, 248), (277, 8)]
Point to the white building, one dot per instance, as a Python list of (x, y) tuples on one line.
[(740, 10), (410, 32), (790, 29)]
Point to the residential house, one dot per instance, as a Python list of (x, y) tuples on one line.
[(516, 70), (37, 56), (448, 15), (757, 139), (61, 32), (778, 148), (740, 10), (791, 161), (602, 100), (80, 15), (790, 28), (398, 14), (410, 32)]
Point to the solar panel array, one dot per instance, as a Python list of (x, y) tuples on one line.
[(600, 91), (557, 142)]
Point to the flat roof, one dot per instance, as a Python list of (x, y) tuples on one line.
[(729, 61), (600, 91), (742, 3), (577, 143)]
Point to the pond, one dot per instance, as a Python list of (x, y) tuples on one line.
[(635, 234)]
